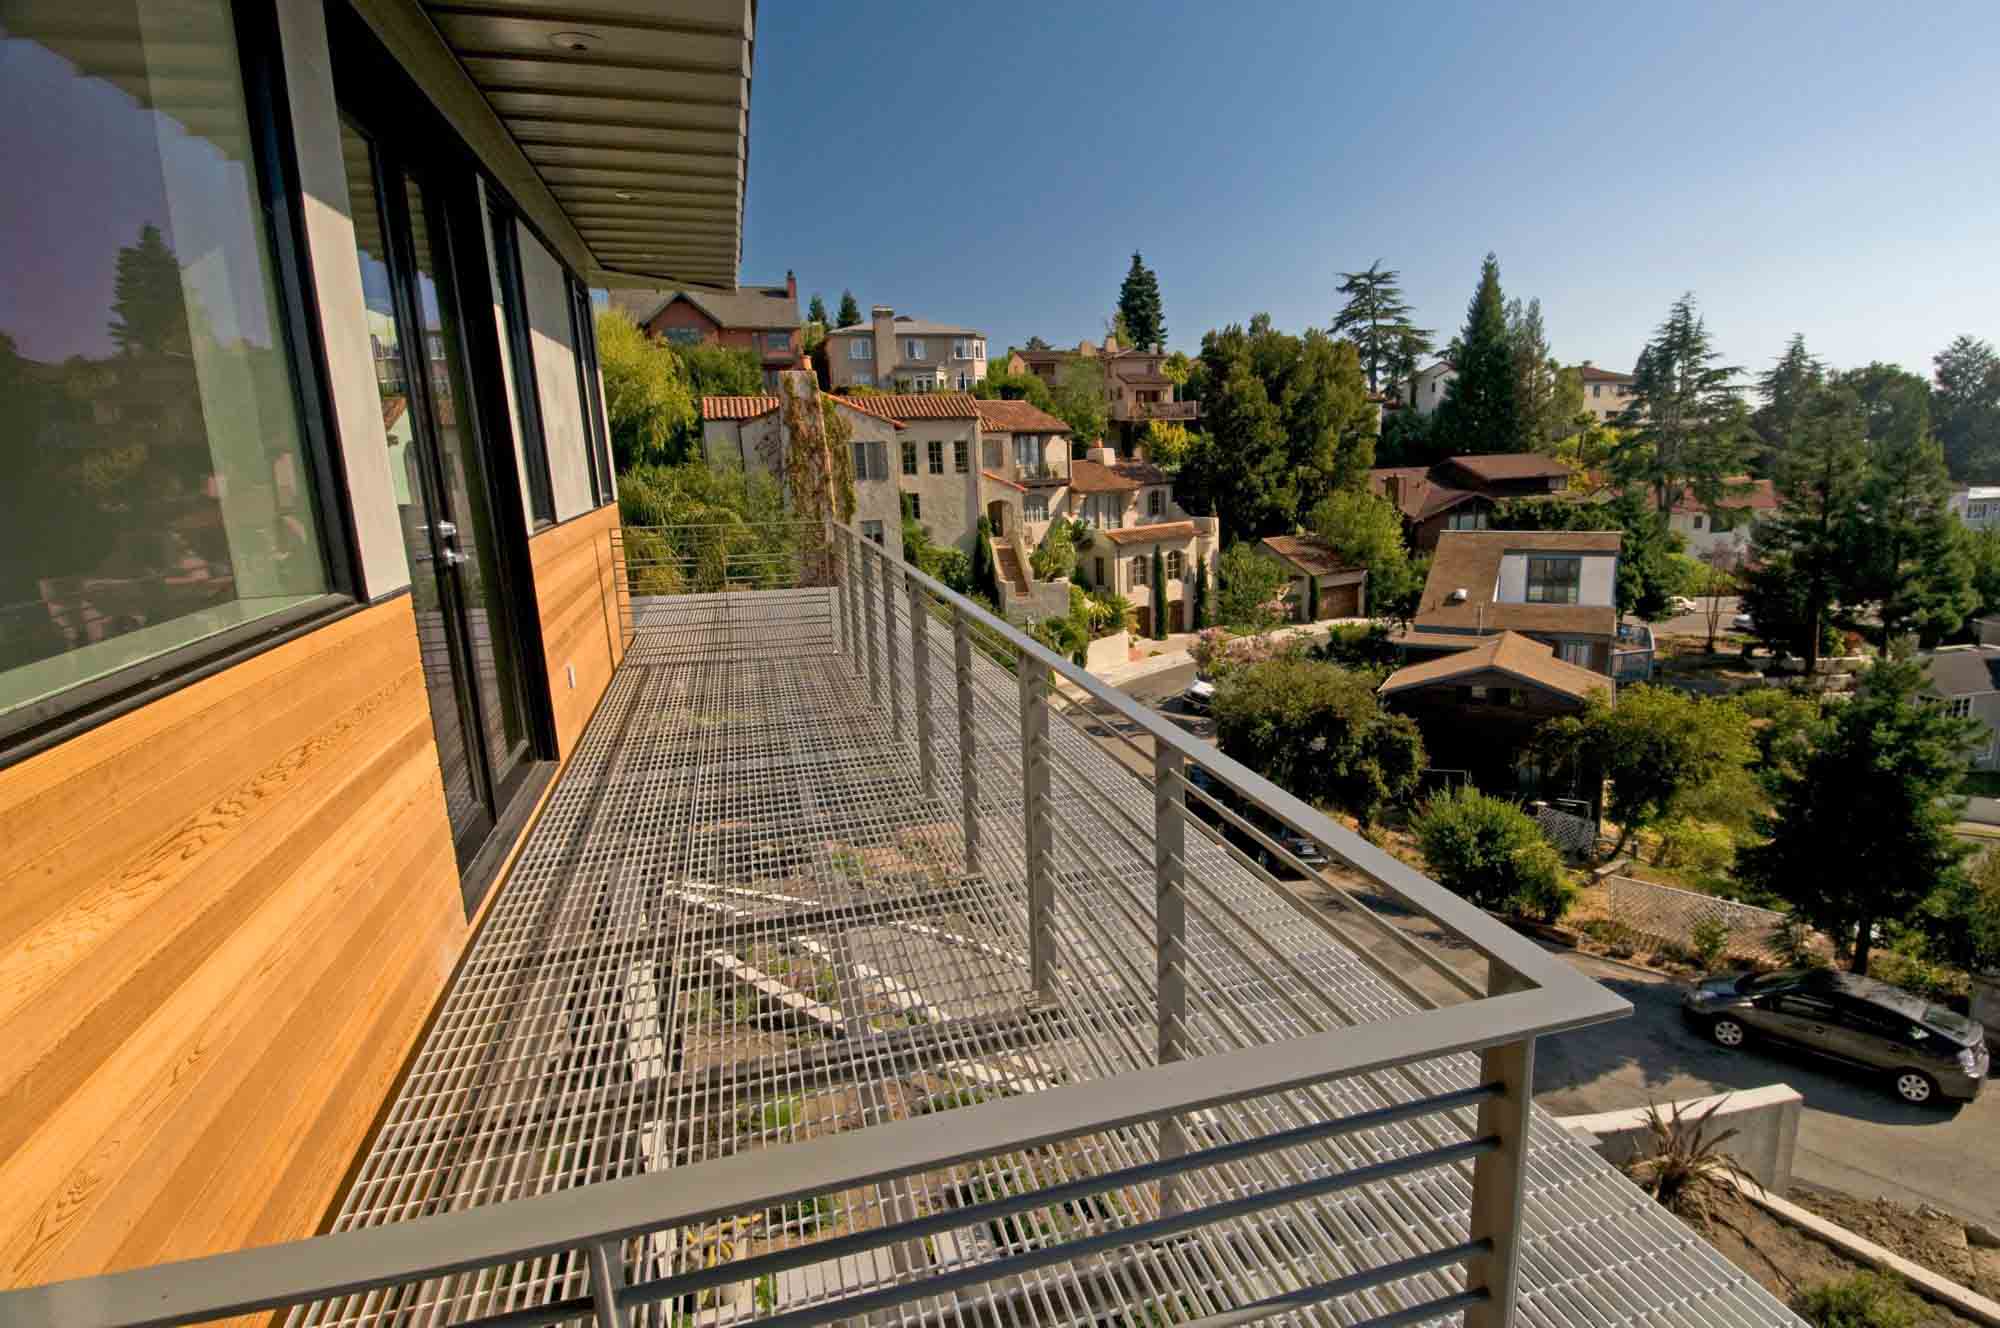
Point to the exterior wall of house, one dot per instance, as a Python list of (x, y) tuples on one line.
[(1599, 583), (878, 500), (785, 353), (1703, 538), (1606, 401), (842, 370), (1426, 389), (576, 598), (950, 501), (1484, 740), (1986, 709)]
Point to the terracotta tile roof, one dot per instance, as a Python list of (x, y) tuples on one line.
[(1470, 560), (1002, 479), (1016, 417), (1590, 373), (866, 407), (926, 406), (1157, 533), (1508, 653), (1509, 466), (737, 408), (1307, 554), (1762, 496), (1096, 477)]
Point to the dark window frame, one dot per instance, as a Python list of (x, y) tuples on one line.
[(274, 176), (520, 352), (583, 338), (1538, 588)]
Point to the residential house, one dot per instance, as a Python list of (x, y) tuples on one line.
[(1343, 588), (760, 319), (1130, 509), (1606, 392), (898, 352), (1966, 681), (1137, 390), (1479, 710), (749, 432), (417, 919), (1425, 389), (1977, 506), (1725, 533), (1459, 493)]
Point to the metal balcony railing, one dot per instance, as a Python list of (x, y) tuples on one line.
[(1160, 1083)]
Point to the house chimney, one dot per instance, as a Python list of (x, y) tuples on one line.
[(1395, 491), (791, 285)]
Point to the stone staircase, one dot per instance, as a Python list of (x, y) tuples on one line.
[(1008, 563)]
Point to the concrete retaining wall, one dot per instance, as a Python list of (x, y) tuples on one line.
[(1108, 651), (1766, 1121), (1986, 811)]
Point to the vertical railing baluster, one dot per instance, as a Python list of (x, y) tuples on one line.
[(968, 772), (1170, 939), (851, 545), (836, 565), (607, 1279), (868, 562), (1499, 1179), (889, 649), (1033, 678), (920, 676)]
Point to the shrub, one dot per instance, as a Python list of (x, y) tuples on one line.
[(1791, 937), (1491, 852), (1686, 1166), (1695, 845), (1359, 646), (1710, 937), (1055, 557), (1318, 731), (1864, 1300)]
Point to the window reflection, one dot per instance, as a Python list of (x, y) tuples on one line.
[(158, 490)]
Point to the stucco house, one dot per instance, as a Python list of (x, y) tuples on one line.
[(1728, 529), (1977, 506), (1606, 392), (749, 432), (1137, 390), (1343, 587), (1459, 493), (906, 354), (760, 319), (1557, 586), (1425, 389)]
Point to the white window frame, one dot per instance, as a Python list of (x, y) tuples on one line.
[(860, 348), (961, 349), (934, 456), (1139, 572), (1035, 507), (1574, 652), (1156, 502), (913, 348)]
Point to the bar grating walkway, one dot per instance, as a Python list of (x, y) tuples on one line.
[(742, 922)]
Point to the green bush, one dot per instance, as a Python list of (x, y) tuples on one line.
[(1865, 1300), (1710, 937), (1491, 852), (1055, 557), (1696, 846), (1319, 732)]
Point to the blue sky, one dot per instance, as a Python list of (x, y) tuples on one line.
[(1831, 168)]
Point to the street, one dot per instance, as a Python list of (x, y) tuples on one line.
[(1696, 623)]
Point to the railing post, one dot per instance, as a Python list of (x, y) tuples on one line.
[(850, 546), (889, 650), (1499, 1179), (607, 1279), (1033, 678), (868, 607), (968, 773), (1170, 941), (920, 671), (836, 565)]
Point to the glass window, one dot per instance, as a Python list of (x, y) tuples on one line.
[(960, 450), (683, 336), (913, 504), (1470, 518), (1574, 652), (1036, 506), (1156, 502), (860, 348), (872, 530), (909, 458), (913, 349), (1027, 449), (160, 488), (1139, 570), (1176, 565), (936, 457), (518, 364), (1554, 580), (779, 341)]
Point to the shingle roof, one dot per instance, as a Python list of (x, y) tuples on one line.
[(757, 307), (1502, 466), (1470, 560), (1762, 496), (1158, 532), (1096, 477), (925, 406), (1017, 417), (1965, 671), (1308, 554), (1509, 653), (1590, 373), (737, 408)]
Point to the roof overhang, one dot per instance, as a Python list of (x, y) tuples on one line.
[(635, 116)]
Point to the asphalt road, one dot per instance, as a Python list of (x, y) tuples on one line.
[(1696, 624)]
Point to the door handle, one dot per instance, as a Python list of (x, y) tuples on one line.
[(445, 530), (453, 558)]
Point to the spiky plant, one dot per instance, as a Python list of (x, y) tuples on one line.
[(1686, 1168)]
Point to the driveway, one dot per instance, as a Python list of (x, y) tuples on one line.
[(1696, 624)]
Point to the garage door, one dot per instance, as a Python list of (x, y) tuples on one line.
[(1340, 601)]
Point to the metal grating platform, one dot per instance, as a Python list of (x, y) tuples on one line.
[(742, 922)]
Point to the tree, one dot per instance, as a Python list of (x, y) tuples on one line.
[(1318, 731), (1481, 410), (1159, 595), (1534, 374), (1720, 565), (1967, 406), (1139, 305), (647, 399), (1981, 550), (1078, 400), (1198, 610), (1036, 343), (1861, 833), (1376, 319), (816, 310), (1568, 416), (1055, 557), (719, 371), (148, 307), (1004, 386), (1492, 853), (1656, 747), (985, 577), (1366, 530), (1167, 443), (1249, 585), (850, 310), (1685, 428), (1783, 388), (1801, 555), (1406, 438)]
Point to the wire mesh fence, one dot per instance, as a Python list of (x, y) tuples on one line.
[(1658, 918)]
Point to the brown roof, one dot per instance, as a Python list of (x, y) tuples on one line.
[(1421, 497), (1096, 477), (926, 406), (1761, 496), (1509, 466), (1308, 554), (737, 408), (750, 307), (1509, 653), (1002, 479), (1158, 532), (1590, 373), (863, 405), (1470, 560), (1017, 417)]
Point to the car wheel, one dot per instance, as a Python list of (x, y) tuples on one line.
[(1916, 1087), (1727, 1032)]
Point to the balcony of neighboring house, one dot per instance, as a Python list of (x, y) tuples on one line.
[(1142, 411), (1632, 653), (855, 972)]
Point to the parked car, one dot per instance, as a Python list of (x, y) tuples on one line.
[(1199, 695), (1742, 623), (1307, 851), (1926, 1051), (1680, 606)]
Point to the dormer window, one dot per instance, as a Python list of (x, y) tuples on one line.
[(1554, 580)]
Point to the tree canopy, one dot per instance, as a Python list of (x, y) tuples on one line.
[(850, 310), (1534, 375), (1248, 587), (1377, 320), (1319, 732), (719, 371), (999, 385), (647, 397), (1367, 531), (1481, 410), (816, 310), (1139, 306), (149, 310), (1967, 406), (1078, 399), (1685, 430)]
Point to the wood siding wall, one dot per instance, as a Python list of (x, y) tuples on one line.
[(225, 918), (573, 590)]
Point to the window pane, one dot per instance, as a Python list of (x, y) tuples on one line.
[(158, 490)]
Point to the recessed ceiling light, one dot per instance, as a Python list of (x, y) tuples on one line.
[(623, 195), (575, 41)]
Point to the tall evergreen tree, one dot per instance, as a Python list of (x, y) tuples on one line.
[(1376, 319), (1036, 343), (1481, 411), (1534, 374), (1783, 388), (1967, 407), (1685, 427), (1198, 609), (1139, 305), (850, 310), (1801, 564), (148, 308), (816, 311)]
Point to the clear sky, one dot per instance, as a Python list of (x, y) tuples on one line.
[(1829, 167)]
